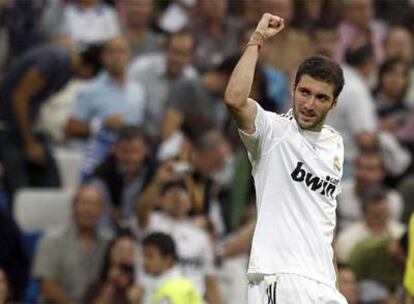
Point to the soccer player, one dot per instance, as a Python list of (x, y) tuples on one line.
[(297, 166)]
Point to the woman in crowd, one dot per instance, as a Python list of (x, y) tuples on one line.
[(393, 114), (117, 275)]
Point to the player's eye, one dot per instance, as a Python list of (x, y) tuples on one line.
[(304, 92), (323, 98)]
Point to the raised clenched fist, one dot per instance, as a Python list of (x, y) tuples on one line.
[(270, 25)]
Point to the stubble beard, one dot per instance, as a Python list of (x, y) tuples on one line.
[(320, 119)]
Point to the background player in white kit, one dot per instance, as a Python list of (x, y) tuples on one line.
[(297, 165)]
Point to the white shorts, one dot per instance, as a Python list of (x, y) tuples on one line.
[(290, 289)]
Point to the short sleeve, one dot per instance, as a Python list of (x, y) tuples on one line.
[(269, 129), (46, 259)]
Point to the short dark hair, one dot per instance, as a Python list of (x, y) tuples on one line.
[(130, 132), (322, 68), (163, 242), (386, 67), (91, 56), (372, 196), (173, 184), (228, 64), (359, 55)]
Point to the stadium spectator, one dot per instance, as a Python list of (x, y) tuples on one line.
[(346, 119), (217, 34), (137, 17), (195, 254), (20, 22), (393, 113), (125, 173), (88, 22), (69, 258), (117, 273), (399, 43), (347, 284), (326, 40), (107, 103), (359, 27), (379, 260), (369, 172), (376, 222), (206, 161), (199, 96), (158, 72), (111, 100), (373, 292), (160, 260), (34, 77)]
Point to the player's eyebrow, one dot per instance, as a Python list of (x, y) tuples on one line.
[(322, 96), (304, 89)]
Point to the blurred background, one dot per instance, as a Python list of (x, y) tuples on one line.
[(122, 177)]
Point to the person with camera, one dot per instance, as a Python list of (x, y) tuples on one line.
[(115, 284), (169, 192)]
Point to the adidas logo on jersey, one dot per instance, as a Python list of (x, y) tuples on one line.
[(325, 186)]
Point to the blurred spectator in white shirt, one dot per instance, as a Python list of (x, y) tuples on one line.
[(89, 22), (136, 18), (355, 113), (369, 172), (376, 222), (159, 71)]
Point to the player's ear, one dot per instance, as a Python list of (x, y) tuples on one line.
[(334, 103)]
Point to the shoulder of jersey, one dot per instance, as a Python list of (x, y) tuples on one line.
[(332, 131), (332, 135), (288, 115)]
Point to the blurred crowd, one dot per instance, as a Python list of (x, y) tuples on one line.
[(122, 178)]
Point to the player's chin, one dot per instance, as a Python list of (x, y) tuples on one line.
[(307, 124)]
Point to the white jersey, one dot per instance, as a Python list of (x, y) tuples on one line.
[(195, 253), (297, 175)]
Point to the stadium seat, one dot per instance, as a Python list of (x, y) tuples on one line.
[(39, 209), (70, 163)]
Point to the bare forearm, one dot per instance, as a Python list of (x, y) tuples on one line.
[(29, 85), (171, 123), (21, 108), (239, 242), (237, 94), (145, 204), (212, 290), (241, 80), (77, 129)]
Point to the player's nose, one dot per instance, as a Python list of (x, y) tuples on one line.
[(310, 102)]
